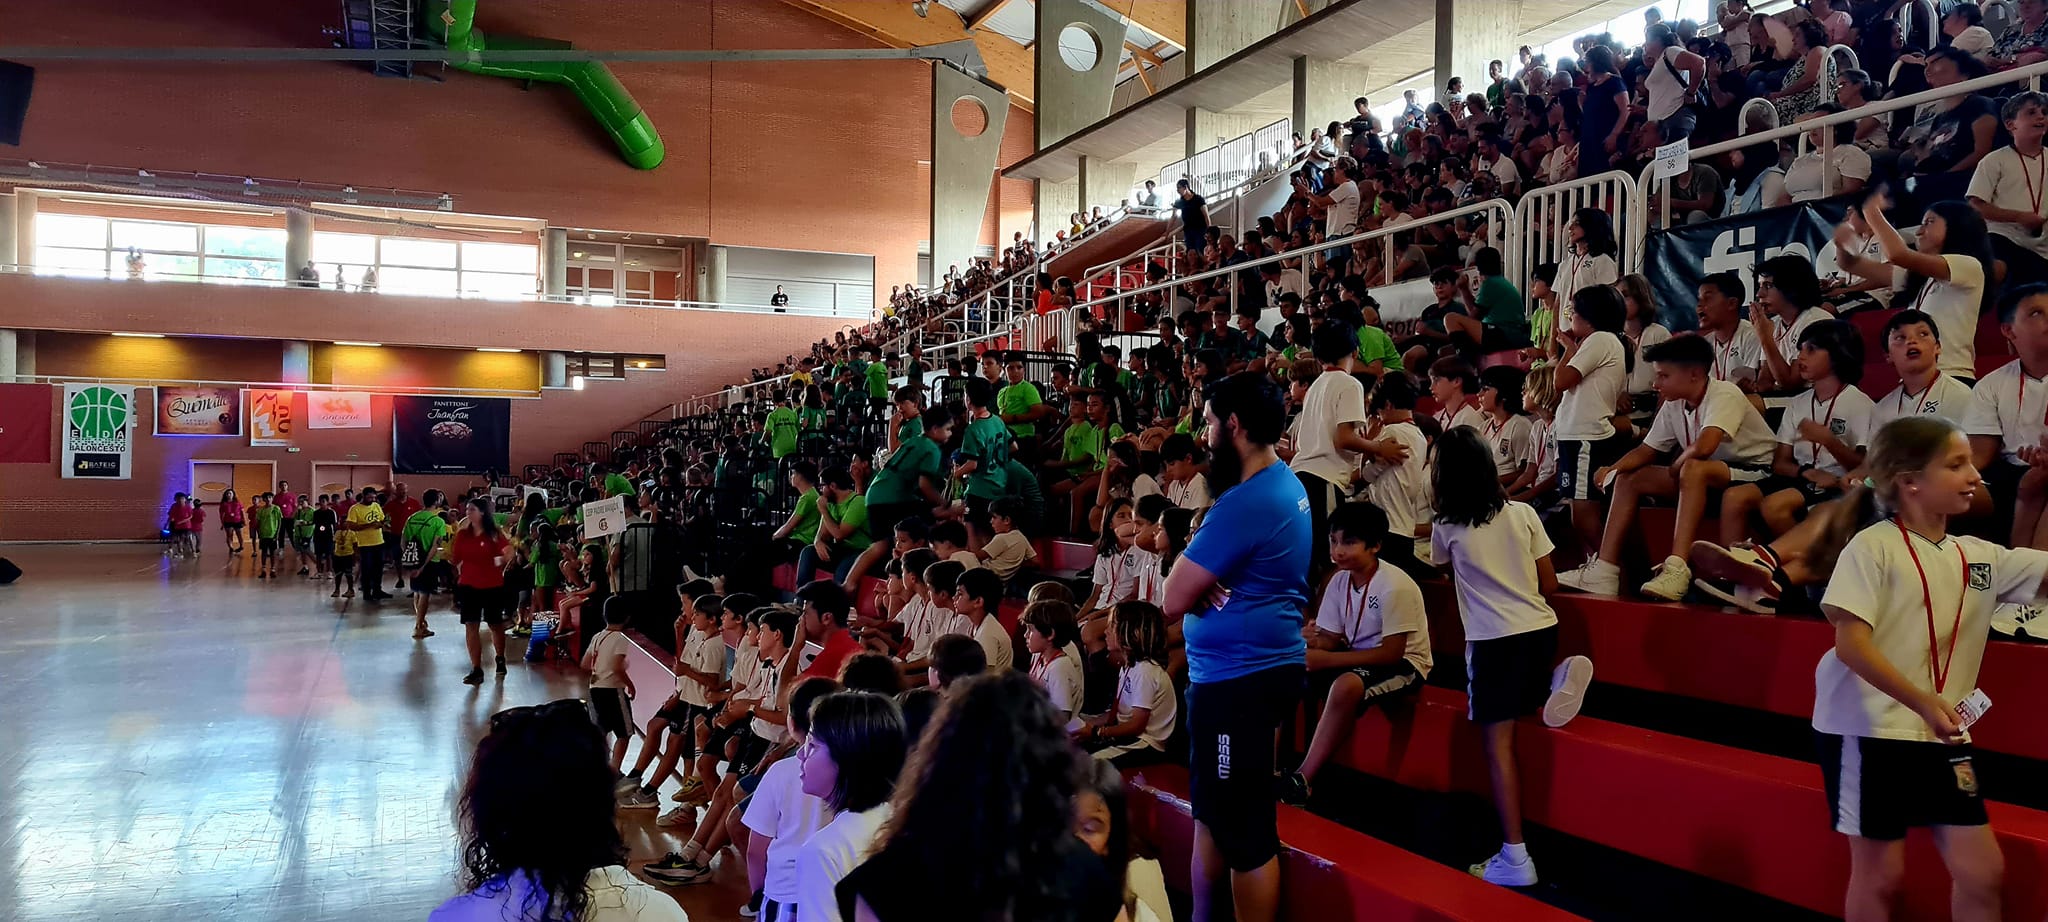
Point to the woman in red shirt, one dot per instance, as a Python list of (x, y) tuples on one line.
[(480, 553)]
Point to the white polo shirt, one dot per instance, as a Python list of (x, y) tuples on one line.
[(2010, 405), (1583, 414), (1953, 305), (1402, 490), (1494, 570), (1739, 356), (1333, 400), (1391, 603), (704, 652), (2015, 183), (1847, 416), (1144, 684), (1746, 440), (1514, 442), (1061, 680), (1947, 398)]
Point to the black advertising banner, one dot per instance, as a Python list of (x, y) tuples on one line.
[(450, 435), (1676, 260)]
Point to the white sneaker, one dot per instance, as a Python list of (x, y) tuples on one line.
[(1499, 870), (1671, 581), (2011, 619), (1567, 693), (1596, 577), (639, 800), (676, 817)]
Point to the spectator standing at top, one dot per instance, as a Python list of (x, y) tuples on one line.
[(1601, 121), (1244, 582), (1150, 197), (779, 301), (1194, 217), (1674, 79)]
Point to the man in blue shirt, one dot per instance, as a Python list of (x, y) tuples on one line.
[(1244, 583)]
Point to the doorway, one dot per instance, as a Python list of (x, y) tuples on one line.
[(209, 479), (349, 476)]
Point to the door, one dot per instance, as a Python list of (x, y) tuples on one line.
[(346, 477), (212, 478)]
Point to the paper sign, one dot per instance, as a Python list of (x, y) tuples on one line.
[(1673, 158), (604, 517)]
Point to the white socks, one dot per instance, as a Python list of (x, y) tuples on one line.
[(1517, 852)]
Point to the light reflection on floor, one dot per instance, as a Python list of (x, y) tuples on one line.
[(182, 741)]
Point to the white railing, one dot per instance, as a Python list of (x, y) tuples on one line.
[(291, 285), (514, 393), (1544, 215), (1228, 164)]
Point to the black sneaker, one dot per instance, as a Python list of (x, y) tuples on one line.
[(475, 677), (501, 667), (1293, 789)]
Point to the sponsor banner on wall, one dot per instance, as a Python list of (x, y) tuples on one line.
[(337, 410), (99, 431), (450, 435), (198, 411), (25, 423), (1677, 259), (270, 416)]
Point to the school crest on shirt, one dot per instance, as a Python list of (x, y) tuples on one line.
[(1839, 427), (1980, 576), (1372, 603)]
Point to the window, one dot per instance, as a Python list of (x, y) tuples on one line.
[(646, 362), (247, 242), (352, 249), (63, 230), (588, 365), (151, 236), (500, 257), (430, 254), (409, 281)]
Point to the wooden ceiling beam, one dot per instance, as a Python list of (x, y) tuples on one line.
[(896, 25), (987, 13), (1167, 19)]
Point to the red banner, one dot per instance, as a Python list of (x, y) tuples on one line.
[(25, 413)]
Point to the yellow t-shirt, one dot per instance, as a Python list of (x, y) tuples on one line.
[(344, 543), (368, 514)]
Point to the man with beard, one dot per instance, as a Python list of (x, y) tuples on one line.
[(1244, 584)]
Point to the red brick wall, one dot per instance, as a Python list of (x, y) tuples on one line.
[(819, 156)]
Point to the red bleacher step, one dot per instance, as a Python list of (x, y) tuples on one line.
[(1331, 873), (1754, 821)]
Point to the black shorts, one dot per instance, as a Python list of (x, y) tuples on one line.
[(478, 605), (611, 711), (1386, 681), (1577, 460), (1811, 493), (680, 714), (428, 579), (267, 545), (1509, 677), (1231, 727), (1323, 498), (748, 750), (323, 545), (1879, 788)]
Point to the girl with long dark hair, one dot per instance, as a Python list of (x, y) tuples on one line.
[(551, 858), (983, 821), (1948, 272), (851, 761), (480, 553)]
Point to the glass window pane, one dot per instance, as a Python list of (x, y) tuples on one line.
[(172, 268), (344, 248), (497, 285), (399, 280), (226, 270), (500, 257), (67, 261), (259, 242), (398, 251), (177, 238), (68, 230)]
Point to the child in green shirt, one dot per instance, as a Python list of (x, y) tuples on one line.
[(302, 534), (267, 521)]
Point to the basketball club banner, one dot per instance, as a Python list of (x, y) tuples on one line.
[(25, 423), (198, 411), (99, 431), (270, 416), (1677, 259), (337, 410), (450, 435)]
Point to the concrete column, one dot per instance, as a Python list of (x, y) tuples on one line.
[(1469, 33), (1068, 99), (1323, 92), (555, 262), (1057, 202), (963, 165), (554, 369), (298, 362), (8, 231), (24, 227), (25, 353), (9, 359), (714, 275), (298, 241), (1105, 183), (1218, 29)]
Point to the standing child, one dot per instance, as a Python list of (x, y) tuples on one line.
[(324, 520), (344, 563), (1894, 749), (1499, 558), (267, 520), (545, 558), (1371, 637), (1591, 377), (179, 521), (231, 520), (611, 689), (302, 535), (1146, 710), (198, 539)]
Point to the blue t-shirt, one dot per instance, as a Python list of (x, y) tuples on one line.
[(1257, 541)]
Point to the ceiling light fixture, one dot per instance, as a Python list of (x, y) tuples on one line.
[(493, 349), (344, 342), (141, 335)]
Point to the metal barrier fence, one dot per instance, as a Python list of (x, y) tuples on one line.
[(1543, 221)]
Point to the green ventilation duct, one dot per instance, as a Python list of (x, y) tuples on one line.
[(454, 21)]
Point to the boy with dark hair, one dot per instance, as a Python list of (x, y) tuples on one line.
[(1371, 637), (955, 657), (1720, 439), (980, 461), (2005, 435), (1737, 354), (949, 541), (827, 610), (700, 672), (1396, 473), (1820, 439), (1455, 385), (611, 689), (980, 595), (1008, 550)]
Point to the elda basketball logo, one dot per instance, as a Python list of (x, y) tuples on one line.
[(96, 419)]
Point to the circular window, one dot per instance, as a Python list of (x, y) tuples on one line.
[(1080, 47), (970, 117)]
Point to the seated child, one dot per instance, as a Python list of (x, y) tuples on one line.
[(1820, 440), (1146, 709)]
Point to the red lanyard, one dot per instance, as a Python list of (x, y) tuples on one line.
[(1936, 665), (1721, 354), (1351, 611), (2034, 192), (1813, 408), (1692, 423), (2022, 411), (1920, 405)]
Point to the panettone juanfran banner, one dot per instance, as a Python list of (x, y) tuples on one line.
[(451, 435)]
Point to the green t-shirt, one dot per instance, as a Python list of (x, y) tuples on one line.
[(814, 419), (427, 526), (1500, 306), (988, 444), (912, 428), (302, 522), (1374, 345), (897, 481), (806, 530), (853, 512), (1018, 398), (616, 484), (1085, 442), (878, 381), (782, 426), (546, 561), (1023, 485), (266, 520)]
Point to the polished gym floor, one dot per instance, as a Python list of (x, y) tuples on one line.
[(180, 740)]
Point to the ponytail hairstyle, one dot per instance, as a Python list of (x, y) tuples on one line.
[(1904, 447), (1966, 236), (1603, 310)]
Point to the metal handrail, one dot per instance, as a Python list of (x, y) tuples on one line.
[(278, 385)]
